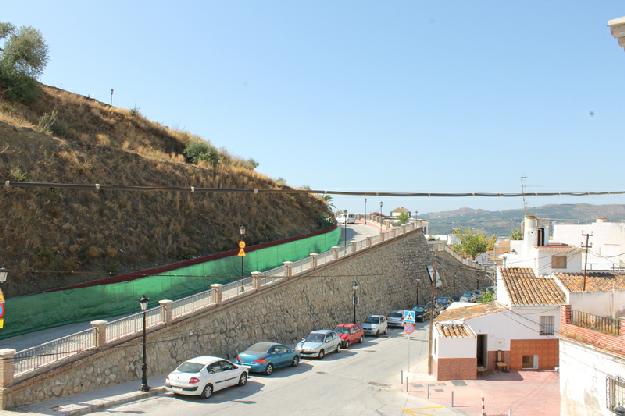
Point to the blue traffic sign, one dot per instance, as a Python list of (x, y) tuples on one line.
[(409, 316)]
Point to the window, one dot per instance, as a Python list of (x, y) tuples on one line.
[(558, 262), (529, 362), (615, 392), (546, 325)]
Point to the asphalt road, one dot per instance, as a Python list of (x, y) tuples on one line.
[(364, 380)]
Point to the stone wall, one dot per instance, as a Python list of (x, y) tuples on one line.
[(283, 312)]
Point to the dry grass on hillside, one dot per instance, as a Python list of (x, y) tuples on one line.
[(47, 231)]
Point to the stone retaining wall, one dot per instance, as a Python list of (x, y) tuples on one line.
[(284, 312)]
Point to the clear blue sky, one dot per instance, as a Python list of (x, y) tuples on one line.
[(363, 95)]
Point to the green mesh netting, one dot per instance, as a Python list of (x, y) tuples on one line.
[(26, 314)]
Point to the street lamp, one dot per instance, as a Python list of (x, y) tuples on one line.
[(345, 227), (381, 205), (354, 298), (143, 303), (241, 245), (365, 210)]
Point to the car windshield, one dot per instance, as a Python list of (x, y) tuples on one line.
[(260, 347), (189, 367), (418, 309), (468, 294), (314, 338), (373, 320), (342, 330), (395, 315)]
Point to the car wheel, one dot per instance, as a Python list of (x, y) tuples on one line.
[(269, 369), (338, 347), (243, 379), (322, 354), (360, 340), (295, 362), (385, 331), (207, 392), (377, 333)]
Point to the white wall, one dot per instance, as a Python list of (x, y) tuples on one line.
[(456, 347), (583, 372), (607, 240), (542, 257), (502, 293), (610, 304)]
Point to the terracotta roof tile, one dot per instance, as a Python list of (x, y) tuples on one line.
[(595, 282), (525, 288), (468, 312), (454, 330)]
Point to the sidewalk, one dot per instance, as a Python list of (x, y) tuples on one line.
[(83, 403)]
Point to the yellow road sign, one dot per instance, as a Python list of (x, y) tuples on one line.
[(241, 249)]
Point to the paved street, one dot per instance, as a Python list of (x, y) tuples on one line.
[(364, 380)]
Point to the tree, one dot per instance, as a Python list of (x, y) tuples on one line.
[(329, 201), (473, 242), (196, 151), (516, 235), (252, 163), (23, 57), (404, 217), (487, 297)]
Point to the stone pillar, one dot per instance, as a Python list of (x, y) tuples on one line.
[(217, 288), (565, 314), (621, 330), (369, 242), (166, 315), (288, 268), (313, 260), (354, 246), (7, 371), (256, 280), (403, 229), (382, 236), (99, 332), (335, 252)]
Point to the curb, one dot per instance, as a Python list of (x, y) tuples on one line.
[(87, 407)]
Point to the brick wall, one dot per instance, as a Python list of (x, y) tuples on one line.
[(546, 349), (611, 343), (455, 369)]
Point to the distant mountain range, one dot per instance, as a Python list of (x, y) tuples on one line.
[(501, 223)]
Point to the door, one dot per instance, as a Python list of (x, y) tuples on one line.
[(230, 373), (481, 351), (216, 376), (281, 356)]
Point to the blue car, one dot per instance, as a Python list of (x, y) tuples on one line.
[(264, 357)]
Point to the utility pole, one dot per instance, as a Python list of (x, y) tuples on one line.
[(523, 178), (586, 246), (432, 308), (112, 91), (365, 210)]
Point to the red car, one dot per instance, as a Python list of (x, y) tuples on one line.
[(350, 334)]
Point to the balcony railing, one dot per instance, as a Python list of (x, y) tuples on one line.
[(603, 324)]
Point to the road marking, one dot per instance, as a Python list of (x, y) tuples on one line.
[(420, 411)]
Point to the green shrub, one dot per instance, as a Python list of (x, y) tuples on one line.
[(18, 174), (196, 151)]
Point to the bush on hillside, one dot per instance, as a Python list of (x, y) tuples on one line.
[(23, 57)]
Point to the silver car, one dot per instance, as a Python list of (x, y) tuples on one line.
[(396, 319), (319, 343), (375, 325)]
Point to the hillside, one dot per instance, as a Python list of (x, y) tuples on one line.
[(501, 223), (47, 234)]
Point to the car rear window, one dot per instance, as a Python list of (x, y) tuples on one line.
[(395, 315), (189, 367), (373, 320), (260, 347), (342, 330), (314, 338)]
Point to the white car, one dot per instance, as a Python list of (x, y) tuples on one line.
[(201, 376), (375, 325), (319, 343), (350, 219)]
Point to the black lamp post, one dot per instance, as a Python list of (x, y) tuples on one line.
[(143, 302), (242, 234), (381, 205), (345, 228), (418, 282), (365, 210), (354, 298)]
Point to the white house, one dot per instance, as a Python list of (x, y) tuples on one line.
[(606, 240)]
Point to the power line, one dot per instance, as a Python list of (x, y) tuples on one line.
[(194, 189)]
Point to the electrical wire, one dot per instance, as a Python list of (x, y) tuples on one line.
[(193, 189)]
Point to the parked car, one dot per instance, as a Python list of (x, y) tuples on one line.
[(442, 301), (419, 313), (375, 325), (468, 297), (264, 357), (396, 319), (349, 334), (319, 343), (201, 376), (342, 219)]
